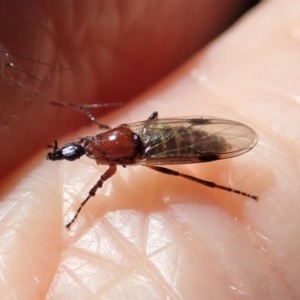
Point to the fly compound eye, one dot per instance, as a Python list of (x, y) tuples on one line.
[(72, 151)]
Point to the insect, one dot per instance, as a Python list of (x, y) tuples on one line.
[(156, 142)]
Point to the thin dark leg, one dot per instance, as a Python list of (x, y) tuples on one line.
[(108, 173), (84, 108), (153, 116), (201, 181), (92, 117)]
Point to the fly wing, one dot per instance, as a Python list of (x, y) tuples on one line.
[(192, 140)]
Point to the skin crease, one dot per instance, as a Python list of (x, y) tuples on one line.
[(147, 235)]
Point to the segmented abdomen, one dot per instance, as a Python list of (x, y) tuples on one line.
[(180, 144)]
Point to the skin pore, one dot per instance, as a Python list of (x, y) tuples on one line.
[(148, 235)]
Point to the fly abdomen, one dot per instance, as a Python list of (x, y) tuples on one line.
[(182, 143)]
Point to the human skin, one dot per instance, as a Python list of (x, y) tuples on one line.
[(152, 236)]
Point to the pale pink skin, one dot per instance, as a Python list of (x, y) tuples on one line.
[(150, 236)]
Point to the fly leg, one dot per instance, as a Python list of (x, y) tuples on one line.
[(152, 117), (84, 108), (108, 173), (201, 181)]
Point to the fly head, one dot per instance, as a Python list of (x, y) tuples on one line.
[(70, 151)]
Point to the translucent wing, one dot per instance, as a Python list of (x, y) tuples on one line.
[(192, 140)]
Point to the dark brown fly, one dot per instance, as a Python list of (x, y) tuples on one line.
[(157, 142)]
